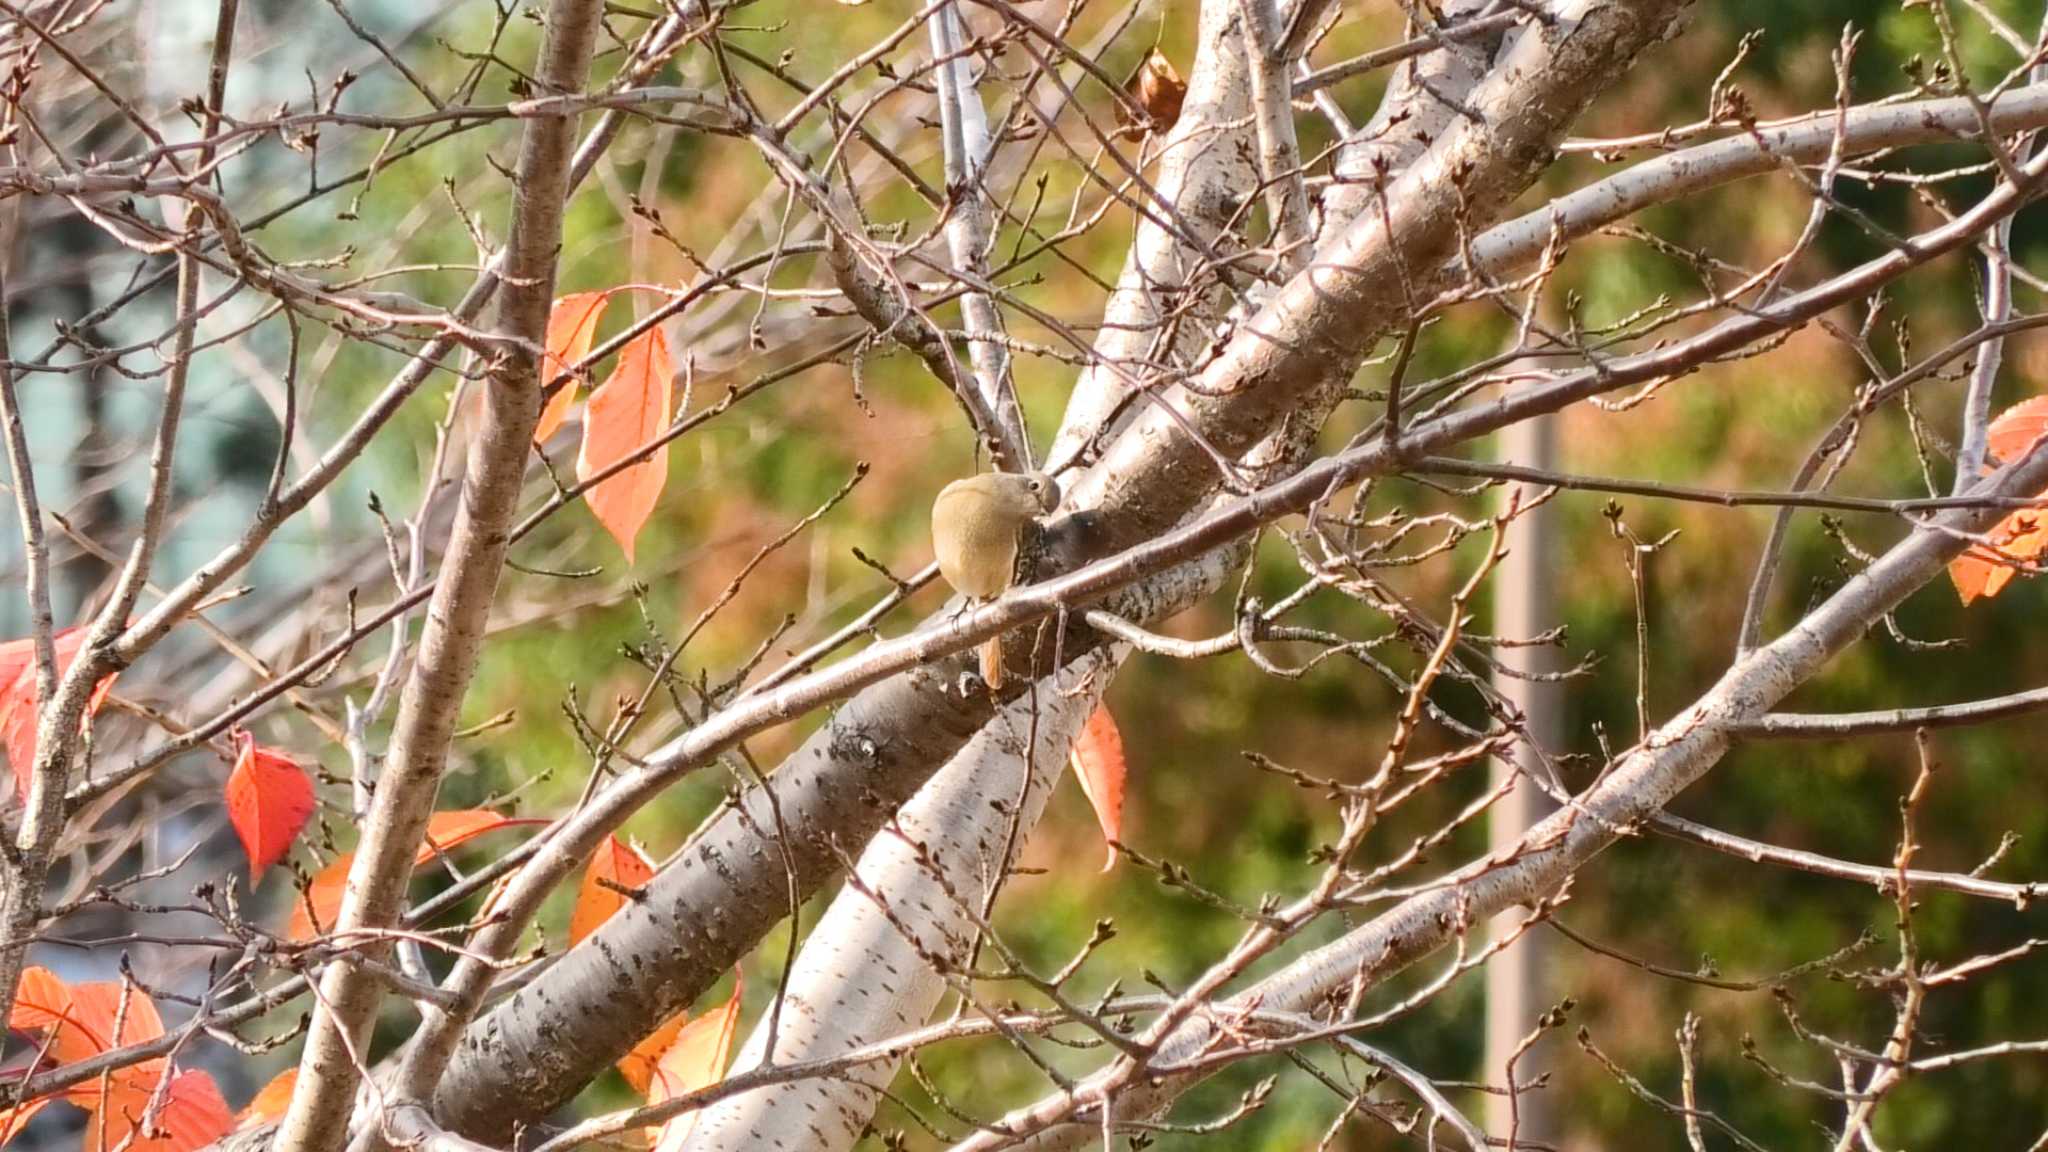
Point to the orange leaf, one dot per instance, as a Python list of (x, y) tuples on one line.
[(84, 1021), (625, 412), (1098, 761), (447, 831), (14, 1119), (42, 1000), (269, 798), (695, 1060), (192, 1116), (615, 865), (1984, 570), (638, 1066), (18, 702), (270, 1101), (89, 1019), (2017, 428), (317, 909), (571, 325)]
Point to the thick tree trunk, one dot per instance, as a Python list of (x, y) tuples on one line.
[(903, 928)]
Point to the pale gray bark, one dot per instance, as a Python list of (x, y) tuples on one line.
[(1420, 104), (713, 901), (1769, 148), (1642, 781), (971, 227), (1272, 93), (907, 925), (581, 1006), (858, 945), (1283, 362), (1996, 308), (1151, 330)]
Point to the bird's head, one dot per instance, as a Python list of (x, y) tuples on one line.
[(1043, 490), (1024, 495)]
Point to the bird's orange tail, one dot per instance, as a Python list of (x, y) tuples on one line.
[(992, 662)]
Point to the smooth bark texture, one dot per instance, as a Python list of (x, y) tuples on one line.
[(970, 229), (1283, 361), (1420, 105), (907, 925), (1167, 300)]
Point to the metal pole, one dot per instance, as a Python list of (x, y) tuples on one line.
[(1524, 608)]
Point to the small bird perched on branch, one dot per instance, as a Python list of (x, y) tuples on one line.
[(977, 526)]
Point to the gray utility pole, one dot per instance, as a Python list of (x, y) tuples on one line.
[(1524, 607)]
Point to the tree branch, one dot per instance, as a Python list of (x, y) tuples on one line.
[(1631, 792), (317, 1118), (539, 1046), (899, 929)]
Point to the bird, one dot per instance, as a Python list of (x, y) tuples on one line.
[(977, 525)]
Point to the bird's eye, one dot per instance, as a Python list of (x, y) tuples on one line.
[(1033, 485)]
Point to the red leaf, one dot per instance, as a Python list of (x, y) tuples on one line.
[(1098, 761), (639, 1065), (16, 655), (18, 702), (2016, 429), (695, 1060), (317, 908), (446, 831), (270, 1101), (82, 1022), (615, 865), (192, 1116), (2015, 542), (571, 325), (269, 798), (625, 412)]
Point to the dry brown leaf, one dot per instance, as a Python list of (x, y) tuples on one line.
[(1157, 87)]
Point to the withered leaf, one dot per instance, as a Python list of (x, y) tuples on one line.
[(1156, 85)]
